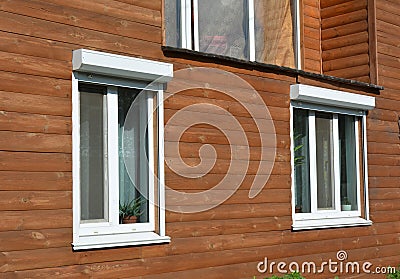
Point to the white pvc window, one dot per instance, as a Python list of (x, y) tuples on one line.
[(118, 151), (255, 30), (329, 166)]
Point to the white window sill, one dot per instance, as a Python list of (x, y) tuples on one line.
[(118, 240), (329, 223)]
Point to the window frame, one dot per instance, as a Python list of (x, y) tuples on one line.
[(115, 71), (192, 41), (316, 99)]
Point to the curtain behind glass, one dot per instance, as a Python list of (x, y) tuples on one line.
[(274, 32), (172, 17), (348, 168), (223, 27), (325, 171), (133, 166), (301, 161), (93, 153)]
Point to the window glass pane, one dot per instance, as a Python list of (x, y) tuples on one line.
[(301, 161), (133, 163), (172, 23), (325, 176), (348, 168), (223, 27), (93, 145), (274, 32)]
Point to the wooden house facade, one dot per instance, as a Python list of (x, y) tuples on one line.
[(346, 52)]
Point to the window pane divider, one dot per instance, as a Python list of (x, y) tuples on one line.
[(358, 168), (161, 177), (365, 165), (113, 157), (336, 163), (252, 41), (313, 161), (196, 38)]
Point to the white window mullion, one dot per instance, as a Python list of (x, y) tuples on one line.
[(161, 180), (196, 38), (313, 161), (186, 24), (336, 162), (252, 43), (358, 176), (150, 153), (365, 165), (113, 157)]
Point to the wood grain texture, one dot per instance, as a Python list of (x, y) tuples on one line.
[(345, 36), (37, 39)]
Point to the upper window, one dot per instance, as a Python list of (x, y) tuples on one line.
[(255, 30), (330, 180), (118, 150)]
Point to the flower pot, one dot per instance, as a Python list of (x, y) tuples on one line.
[(129, 220), (346, 207)]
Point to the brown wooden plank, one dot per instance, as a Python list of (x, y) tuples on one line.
[(233, 211), (384, 171), (384, 182), (347, 40), (239, 197), (312, 54), (384, 115), (312, 22), (84, 19), (329, 3), (191, 150), (35, 219), (388, 50), (346, 62), (49, 105), (388, 82), (384, 137), (34, 200), (35, 181), (312, 33), (343, 30), (117, 9), (78, 36), (343, 8), (29, 161), (24, 64), (214, 136), (382, 126), (35, 239), (350, 72), (387, 17), (177, 182), (35, 142), (358, 15), (15, 43), (222, 166), (218, 227), (311, 11), (344, 52), (385, 216), (155, 5), (312, 65), (22, 83), (35, 123), (392, 194), (387, 71)]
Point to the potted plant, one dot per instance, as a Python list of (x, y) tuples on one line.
[(130, 211), (346, 205)]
